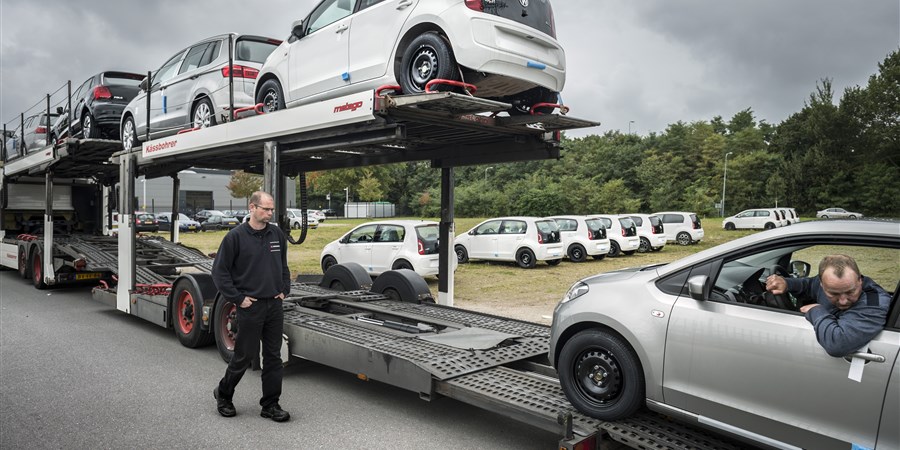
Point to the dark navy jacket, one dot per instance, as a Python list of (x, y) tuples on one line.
[(843, 332), (252, 263)]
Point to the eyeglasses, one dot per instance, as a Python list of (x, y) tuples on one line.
[(264, 209)]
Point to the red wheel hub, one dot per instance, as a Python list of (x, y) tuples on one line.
[(185, 310), (228, 323)]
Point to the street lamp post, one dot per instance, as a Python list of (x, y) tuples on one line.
[(629, 126), (724, 179), (485, 173)]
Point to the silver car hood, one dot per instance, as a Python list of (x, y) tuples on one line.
[(621, 274)]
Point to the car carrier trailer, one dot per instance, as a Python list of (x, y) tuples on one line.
[(391, 330)]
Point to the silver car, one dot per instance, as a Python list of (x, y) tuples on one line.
[(838, 213), (698, 340), (190, 90)]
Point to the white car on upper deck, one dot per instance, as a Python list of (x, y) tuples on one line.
[(508, 49)]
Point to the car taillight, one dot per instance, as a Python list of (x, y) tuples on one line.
[(80, 264), (421, 247), (590, 234), (623, 232), (102, 92), (40, 130), (475, 5), (241, 72), (540, 238)]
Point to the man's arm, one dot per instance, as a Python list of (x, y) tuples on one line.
[(840, 336), (285, 270), (221, 271)]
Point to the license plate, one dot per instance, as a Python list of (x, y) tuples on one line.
[(87, 276), (147, 222), (191, 227)]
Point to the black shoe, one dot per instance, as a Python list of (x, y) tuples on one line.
[(275, 413), (225, 407)]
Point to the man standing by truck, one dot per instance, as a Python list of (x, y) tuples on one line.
[(250, 270)]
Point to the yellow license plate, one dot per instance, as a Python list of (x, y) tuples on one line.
[(87, 276), (191, 227)]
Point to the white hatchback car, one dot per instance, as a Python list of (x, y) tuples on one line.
[(651, 231), (507, 49), (682, 227), (387, 245), (622, 234), (582, 236), (296, 218), (752, 219), (190, 90), (524, 240)]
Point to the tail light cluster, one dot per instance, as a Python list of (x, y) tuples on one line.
[(540, 238), (40, 129), (241, 72), (101, 92), (475, 5), (420, 247)]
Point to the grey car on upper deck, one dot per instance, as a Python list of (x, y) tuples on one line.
[(699, 340)]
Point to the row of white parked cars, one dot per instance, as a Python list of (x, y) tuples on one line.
[(413, 244)]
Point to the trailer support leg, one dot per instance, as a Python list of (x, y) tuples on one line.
[(47, 272), (273, 183), (127, 262), (176, 187), (446, 253)]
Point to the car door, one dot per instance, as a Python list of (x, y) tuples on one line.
[(73, 117), (762, 370), (483, 242), (358, 246), (160, 111), (317, 62), (387, 245), (179, 88), (511, 238), (374, 31)]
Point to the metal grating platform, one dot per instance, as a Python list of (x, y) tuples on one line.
[(468, 318)]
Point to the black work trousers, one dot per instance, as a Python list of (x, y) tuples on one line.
[(261, 321)]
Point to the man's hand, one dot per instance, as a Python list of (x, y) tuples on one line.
[(280, 296), (247, 302), (776, 284), (808, 307)]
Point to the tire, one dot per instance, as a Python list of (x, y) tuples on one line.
[(462, 256), (129, 135), (203, 115), (37, 268), (403, 285), (614, 249), (553, 262), (271, 96), (187, 313), (825, 217), (629, 252), (428, 57), (729, 226), (402, 264), (522, 102), (24, 266), (599, 257), (577, 253), (226, 327), (645, 246), (683, 238), (590, 354), (327, 262), (296, 225), (525, 258), (89, 130), (852, 217), (346, 277), (769, 226)]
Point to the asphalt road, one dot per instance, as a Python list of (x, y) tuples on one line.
[(76, 374)]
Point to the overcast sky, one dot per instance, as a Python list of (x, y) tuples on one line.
[(652, 62)]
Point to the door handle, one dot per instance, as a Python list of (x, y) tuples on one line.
[(867, 357), (395, 247), (404, 3), (341, 28)]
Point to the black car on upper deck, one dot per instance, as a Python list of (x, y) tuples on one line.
[(97, 106)]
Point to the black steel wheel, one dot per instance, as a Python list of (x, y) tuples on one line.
[(462, 256), (37, 268), (553, 262), (614, 249), (186, 313), (729, 226), (601, 375), (645, 245), (402, 264), (327, 262), (428, 57), (270, 95), (525, 258), (577, 253), (768, 226)]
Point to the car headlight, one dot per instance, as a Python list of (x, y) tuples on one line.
[(577, 290)]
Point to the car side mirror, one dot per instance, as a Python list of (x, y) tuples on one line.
[(800, 269), (59, 109), (698, 286), (144, 83), (297, 29), (471, 232), (345, 239)]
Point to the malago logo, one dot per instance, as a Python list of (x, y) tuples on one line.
[(348, 107)]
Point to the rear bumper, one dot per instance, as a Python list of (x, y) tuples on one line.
[(549, 251)]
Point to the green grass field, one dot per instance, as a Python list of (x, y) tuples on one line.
[(504, 288)]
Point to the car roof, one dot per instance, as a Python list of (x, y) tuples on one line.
[(410, 222)]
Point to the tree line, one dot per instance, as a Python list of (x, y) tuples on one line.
[(828, 154)]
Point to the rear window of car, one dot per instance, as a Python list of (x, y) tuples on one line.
[(637, 220), (253, 51), (546, 226), (121, 79), (655, 221), (695, 220), (567, 224), (146, 217), (429, 232), (626, 222)]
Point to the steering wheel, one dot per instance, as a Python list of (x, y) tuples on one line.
[(783, 300)]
